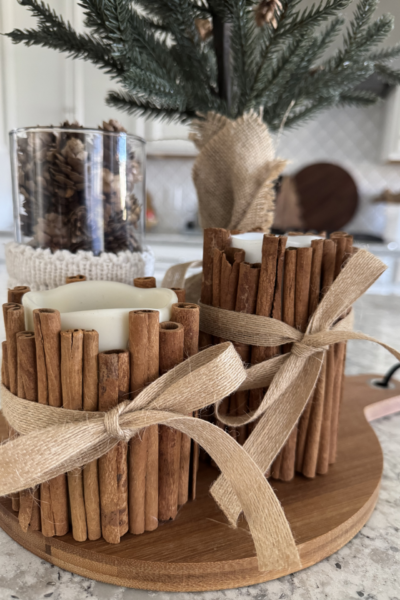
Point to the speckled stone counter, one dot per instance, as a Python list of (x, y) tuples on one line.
[(368, 567)]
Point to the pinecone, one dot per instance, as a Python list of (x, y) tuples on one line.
[(80, 230), (51, 232), (113, 125), (266, 12), (204, 28), (34, 177), (133, 209)]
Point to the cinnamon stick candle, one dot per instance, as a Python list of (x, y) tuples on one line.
[(313, 411), (145, 282), (29, 512), (75, 278), (113, 387), (213, 238), (188, 315), (54, 493), (72, 388), (180, 293), (143, 448), (90, 403), (16, 294), (171, 354)]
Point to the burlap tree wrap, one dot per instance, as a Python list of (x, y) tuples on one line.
[(235, 171)]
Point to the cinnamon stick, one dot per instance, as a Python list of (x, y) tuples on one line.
[(72, 388), (345, 250), (14, 323), (54, 493), (313, 410), (75, 278), (16, 294), (5, 377), (143, 448), (188, 315), (301, 306), (277, 314), (90, 403), (171, 354), (265, 299), (26, 366), (29, 512), (230, 266), (328, 276), (213, 238), (145, 282), (180, 292), (246, 300), (288, 316), (231, 258), (113, 387)]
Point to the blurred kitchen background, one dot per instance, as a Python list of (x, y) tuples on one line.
[(346, 161)]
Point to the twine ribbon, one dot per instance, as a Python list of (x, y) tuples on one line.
[(55, 441)]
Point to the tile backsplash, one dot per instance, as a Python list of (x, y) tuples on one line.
[(350, 137)]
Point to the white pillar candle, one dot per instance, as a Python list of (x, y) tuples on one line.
[(252, 243), (100, 305)]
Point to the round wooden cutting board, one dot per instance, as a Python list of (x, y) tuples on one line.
[(199, 551), (328, 197)]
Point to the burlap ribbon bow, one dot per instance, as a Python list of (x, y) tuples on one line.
[(54, 441)]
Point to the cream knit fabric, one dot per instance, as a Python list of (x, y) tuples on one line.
[(42, 270)]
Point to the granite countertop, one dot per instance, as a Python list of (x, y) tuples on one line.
[(368, 567)]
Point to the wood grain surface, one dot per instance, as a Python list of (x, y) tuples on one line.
[(200, 551)]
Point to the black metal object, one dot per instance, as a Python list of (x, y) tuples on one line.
[(222, 45), (384, 383)]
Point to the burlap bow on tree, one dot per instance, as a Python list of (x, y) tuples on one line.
[(235, 171), (55, 441)]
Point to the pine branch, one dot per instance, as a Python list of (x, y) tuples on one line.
[(73, 44), (387, 74), (385, 54), (136, 106), (358, 98)]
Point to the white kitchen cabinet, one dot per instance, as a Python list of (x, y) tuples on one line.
[(391, 134)]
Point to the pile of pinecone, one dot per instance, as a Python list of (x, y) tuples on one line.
[(62, 207)]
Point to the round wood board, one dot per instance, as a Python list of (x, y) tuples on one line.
[(328, 196), (199, 551)]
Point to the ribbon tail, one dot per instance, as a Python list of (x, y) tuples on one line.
[(272, 536), (273, 429), (175, 275)]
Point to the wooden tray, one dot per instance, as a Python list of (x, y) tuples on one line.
[(199, 551)]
